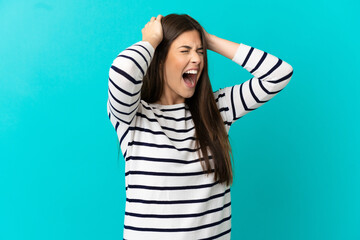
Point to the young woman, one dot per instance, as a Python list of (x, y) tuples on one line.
[(173, 129)]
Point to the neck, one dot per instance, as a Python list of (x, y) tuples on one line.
[(169, 101)]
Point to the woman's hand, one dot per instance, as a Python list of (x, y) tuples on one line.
[(153, 32), (207, 39), (220, 45)]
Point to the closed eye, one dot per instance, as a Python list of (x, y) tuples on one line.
[(188, 51)]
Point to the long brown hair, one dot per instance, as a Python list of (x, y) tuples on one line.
[(209, 126)]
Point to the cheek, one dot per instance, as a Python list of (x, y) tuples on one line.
[(179, 66), (178, 62)]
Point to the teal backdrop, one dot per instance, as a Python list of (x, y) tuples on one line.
[(297, 160)]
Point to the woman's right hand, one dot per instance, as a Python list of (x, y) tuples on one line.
[(153, 32)]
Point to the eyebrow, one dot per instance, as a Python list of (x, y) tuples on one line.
[(188, 47)]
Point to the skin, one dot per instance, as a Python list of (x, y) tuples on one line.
[(175, 91), (178, 60)]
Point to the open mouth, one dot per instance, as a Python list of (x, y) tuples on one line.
[(190, 79)]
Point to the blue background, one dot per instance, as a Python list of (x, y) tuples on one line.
[(297, 160)]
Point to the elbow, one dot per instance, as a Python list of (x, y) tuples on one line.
[(291, 72), (288, 71), (289, 67)]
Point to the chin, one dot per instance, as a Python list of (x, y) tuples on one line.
[(189, 95)]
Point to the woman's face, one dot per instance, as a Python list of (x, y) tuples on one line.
[(185, 53)]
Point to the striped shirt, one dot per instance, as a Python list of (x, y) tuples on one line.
[(167, 194)]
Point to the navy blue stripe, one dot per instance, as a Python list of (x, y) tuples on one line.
[(121, 120), (182, 140), (178, 130), (137, 64), (243, 100), (146, 117), (124, 135), (220, 96), (232, 102), (165, 110), (224, 109), (167, 174), (174, 109), (227, 123), (119, 112), (240, 93), (247, 56), (165, 117), (163, 127), (116, 125), (283, 78), (177, 229), (265, 90), (122, 103), (173, 188), (272, 69), (146, 107), (160, 133), (262, 87), (125, 113), (169, 118), (126, 75), (128, 123), (165, 160), (130, 49), (171, 202), (253, 93), (217, 236), (143, 48), (122, 90), (178, 215), (161, 146), (259, 63)]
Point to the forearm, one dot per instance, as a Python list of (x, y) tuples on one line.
[(270, 76), (222, 46)]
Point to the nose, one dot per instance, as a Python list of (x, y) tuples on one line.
[(195, 58)]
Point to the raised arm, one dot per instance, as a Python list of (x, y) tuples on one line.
[(125, 81), (126, 74), (221, 46), (271, 75)]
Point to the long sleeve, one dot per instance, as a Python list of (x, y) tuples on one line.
[(271, 75), (125, 81)]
